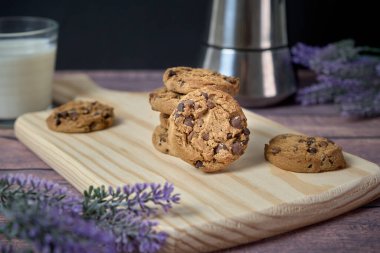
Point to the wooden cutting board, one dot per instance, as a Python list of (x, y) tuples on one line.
[(250, 201)]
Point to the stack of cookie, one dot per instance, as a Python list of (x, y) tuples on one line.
[(200, 121)]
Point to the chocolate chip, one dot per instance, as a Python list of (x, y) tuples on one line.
[(245, 142), (177, 115), (171, 73), (231, 79), (198, 164), (323, 144), (93, 125), (106, 115), (205, 95), (237, 148), (309, 166), (229, 136), (205, 136), (63, 114), (57, 122), (236, 122), (210, 104), (73, 115), (310, 140), (180, 107), (189, 121), (190, 103), (220, 147), (275, 150), (246, 131), (312, 150), (190, 135)]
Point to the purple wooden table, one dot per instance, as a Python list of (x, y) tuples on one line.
[(356, 231)]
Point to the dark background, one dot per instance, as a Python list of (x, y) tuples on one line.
[(153, 34)]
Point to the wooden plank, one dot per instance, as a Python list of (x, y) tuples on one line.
[(330, 127), (15, 155), (251, 201), (354, 232)]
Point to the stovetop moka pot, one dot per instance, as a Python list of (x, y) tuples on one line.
[(248, 39)]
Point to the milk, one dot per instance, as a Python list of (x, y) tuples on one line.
[(26, 70)]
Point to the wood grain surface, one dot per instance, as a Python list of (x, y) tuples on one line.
[(356, 231), (251, 201)]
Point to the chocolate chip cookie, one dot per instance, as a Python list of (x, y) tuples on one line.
[(185, 79), (300, 153), (160, 140), (163, 100), (164, 120), (81, 117), (208, 129)]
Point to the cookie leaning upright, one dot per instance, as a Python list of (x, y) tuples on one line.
[(80, 117), (185, 79), (208, 129)]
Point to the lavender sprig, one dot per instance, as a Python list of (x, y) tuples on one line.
[(7, 248), (139, 199), (33, 189), (133, 233), (124, 211), (51, 230), (345, 77), (102, 221)]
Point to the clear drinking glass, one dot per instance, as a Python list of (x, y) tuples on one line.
[(27, 59)]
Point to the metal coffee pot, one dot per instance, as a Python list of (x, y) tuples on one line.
[(248, 39)]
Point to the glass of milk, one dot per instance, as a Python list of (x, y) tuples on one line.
[(27, 58)]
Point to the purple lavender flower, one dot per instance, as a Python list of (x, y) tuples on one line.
[(308, 56), (13, 187), (124, 212), (360, 67), (137, 199), (51, 230), (102, 221), (133, 233), (363, 104), (7, 248), (344, 75), (302, 54), (317, 94)]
